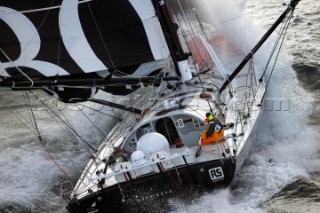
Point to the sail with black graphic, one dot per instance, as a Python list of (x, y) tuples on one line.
[(70, 48)]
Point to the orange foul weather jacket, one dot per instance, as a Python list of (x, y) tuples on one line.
[(213, 134)]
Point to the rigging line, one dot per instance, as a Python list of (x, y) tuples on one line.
[(251, 81), (120, 72), (144, 99), (100, 35), (25, 75), (156, 93), (277, 56), (232, 19), (43, 145), (67, 180), (25, 100), (38, 28), (76, 166), (59, 54), (114, 113), (285, 25), (100, 112), (99, 130), (33, 116), (126, 74), (275, 46), (67, 130), (32, 130), (69, 127), (68, 122), (50, 7), (169, 91), (187, 20), (223, 22), (75, 132), (189, 23), (40, 25), (210, 28), (24, 121)]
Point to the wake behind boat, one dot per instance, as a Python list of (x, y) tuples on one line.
[(189, 131)]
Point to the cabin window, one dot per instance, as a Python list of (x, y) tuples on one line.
[(133, 142), (179, 123), (143, 130), (197, 123), (167, 128), (184, 124), (130, 143)]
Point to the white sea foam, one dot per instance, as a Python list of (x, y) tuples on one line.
[(218, 201), (285, 148), (29, 180)]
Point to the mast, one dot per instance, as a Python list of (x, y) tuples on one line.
[(170, 30), (291, 7)]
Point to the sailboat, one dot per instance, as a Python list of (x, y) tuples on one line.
[(193, 123)]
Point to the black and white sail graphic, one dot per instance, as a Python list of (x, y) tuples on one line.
[(80, 39)]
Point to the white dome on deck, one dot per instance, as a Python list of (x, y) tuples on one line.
[(138, 158), (152, 142)]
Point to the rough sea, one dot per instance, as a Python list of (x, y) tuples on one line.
[(281, 174)]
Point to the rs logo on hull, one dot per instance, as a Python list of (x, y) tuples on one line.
[(216, 174)]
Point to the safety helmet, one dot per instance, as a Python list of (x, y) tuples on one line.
[(210, 116)]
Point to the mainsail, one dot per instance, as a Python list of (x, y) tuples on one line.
[(74, 40)]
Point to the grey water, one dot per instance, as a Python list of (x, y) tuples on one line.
[(281, 174)]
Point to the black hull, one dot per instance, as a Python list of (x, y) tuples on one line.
[(152, 193)]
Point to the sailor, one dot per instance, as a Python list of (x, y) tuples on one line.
[(214, 132), (209, 117)]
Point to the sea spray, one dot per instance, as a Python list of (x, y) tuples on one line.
[(285, 148)]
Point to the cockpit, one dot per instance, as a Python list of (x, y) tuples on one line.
[(179, 130)]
